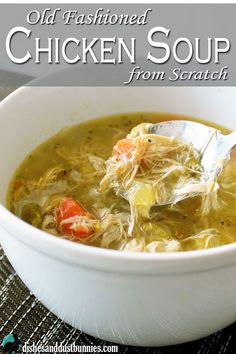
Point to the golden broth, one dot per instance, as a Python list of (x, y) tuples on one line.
[(63, 166)]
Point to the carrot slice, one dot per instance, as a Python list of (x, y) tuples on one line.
[(123, 147), (69, 208)]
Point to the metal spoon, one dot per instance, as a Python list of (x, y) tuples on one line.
[(213, 146)]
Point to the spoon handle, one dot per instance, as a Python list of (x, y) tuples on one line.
[(231, 140)]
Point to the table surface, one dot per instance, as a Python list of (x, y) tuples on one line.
[(23, 314)]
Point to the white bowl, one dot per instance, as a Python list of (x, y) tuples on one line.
[(137, 299)]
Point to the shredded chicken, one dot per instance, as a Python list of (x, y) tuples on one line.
[(160, 170)]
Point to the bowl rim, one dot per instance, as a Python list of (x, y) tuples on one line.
[(100, 258), (108, 259)]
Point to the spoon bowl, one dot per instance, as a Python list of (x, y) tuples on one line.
[(214, 147)]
